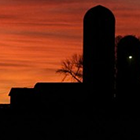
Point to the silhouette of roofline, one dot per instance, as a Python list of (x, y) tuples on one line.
[(18, 90)]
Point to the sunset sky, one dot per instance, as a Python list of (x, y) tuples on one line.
[(36, 35)]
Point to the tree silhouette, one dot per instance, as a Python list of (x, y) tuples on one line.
[(73, 68)]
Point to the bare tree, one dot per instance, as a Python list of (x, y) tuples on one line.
[(73, 68)]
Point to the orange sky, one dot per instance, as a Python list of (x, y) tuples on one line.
[(35, 35)]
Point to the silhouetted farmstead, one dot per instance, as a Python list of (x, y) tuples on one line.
[(81, 111), (98, 74), (98, 87)]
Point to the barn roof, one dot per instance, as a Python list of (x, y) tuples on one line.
[(20, 91)]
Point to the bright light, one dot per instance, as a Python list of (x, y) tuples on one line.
[(130, 57)]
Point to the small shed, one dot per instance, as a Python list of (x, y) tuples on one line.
[(21, 98)]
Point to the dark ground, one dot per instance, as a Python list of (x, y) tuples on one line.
[(68, 125)]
